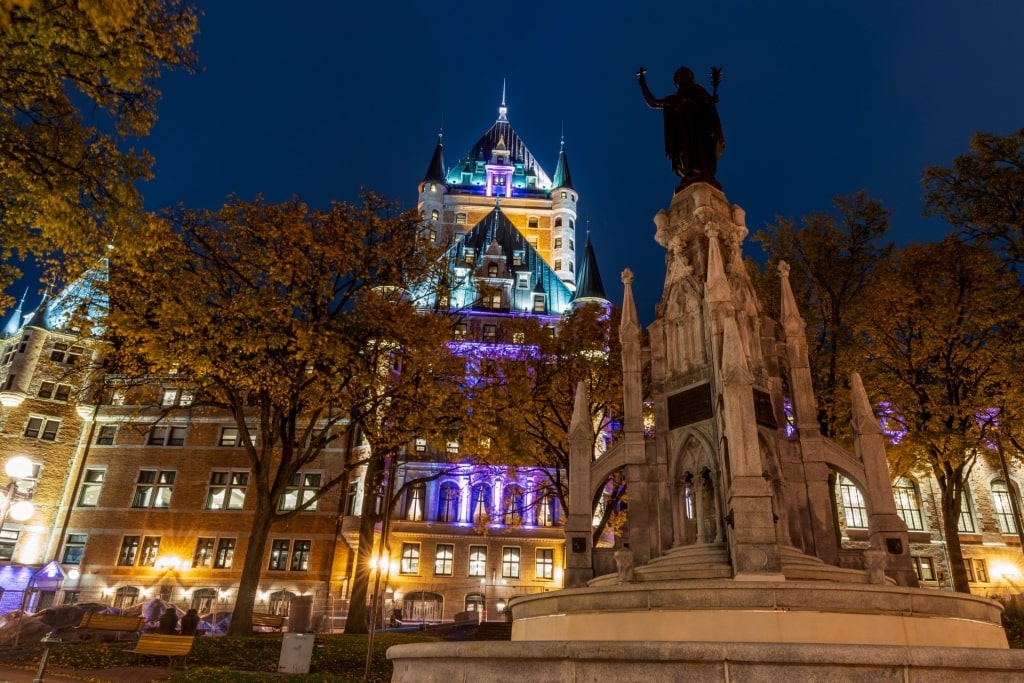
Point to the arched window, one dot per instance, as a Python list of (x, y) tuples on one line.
[(480, 503), (547, 508), (908, 503), (280, 601), (434, 215), (558, 222), (854, 509), (204, 599), (126, 596), (966, 522), (414, 502), (474, 602), (512, 505), (448, 503), (1003, 506)]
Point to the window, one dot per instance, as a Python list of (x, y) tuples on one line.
[(414, 503), (448, 503), (854, 508), (204, 599), (538, 303), (512, 505), (129, 551), (547, 509), (420, 445), (8, 540), (558, 264), (977, 571), (279, 550), (558, 243), (229, 437), (477, 560), (452, 447), (558, 221), (470, 255), (174, 396), (106, 435), (461, 329), (532, 222), (434, 215), (58, 392), (227, 490), (432, 234), (71, 597), (1003, 507), (522, 281), (410, 558), (42, 428), (62, 353), (460, 218), (490, 333), (545, 563), (572, 224), (150, 549), (564, 195), (92, 482), (225, 553), (517, 258), (203, 555), (300, 490), (352, 498), (572, 243), (443, 559), (153, 489), (480, 503), (300, 555), (167, 436), (492, 300), (510, 563), (966, 522), (533, 241), (571, 267), (908, 506), (125, 597), (492, 270), (925, 568)]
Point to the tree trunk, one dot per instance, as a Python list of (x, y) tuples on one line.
[(241, 618), (950, 502), (358, 617)]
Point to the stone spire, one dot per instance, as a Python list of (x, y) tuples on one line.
[(588, 282), (578, 523)]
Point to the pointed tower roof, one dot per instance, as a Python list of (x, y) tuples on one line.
[(562, 176), (39, 317), (14, 324), (435, 171), (588, 283)]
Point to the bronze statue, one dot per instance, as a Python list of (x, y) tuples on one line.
[(693, 133)]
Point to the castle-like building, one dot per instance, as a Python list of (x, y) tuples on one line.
[(138, 494)]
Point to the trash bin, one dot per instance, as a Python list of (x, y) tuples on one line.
[(296, 651)]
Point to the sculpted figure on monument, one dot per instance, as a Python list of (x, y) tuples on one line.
[(693, 132)]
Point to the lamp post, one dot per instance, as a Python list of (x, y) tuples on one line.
[(14, 503)]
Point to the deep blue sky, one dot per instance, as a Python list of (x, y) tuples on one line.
[(818, 99)]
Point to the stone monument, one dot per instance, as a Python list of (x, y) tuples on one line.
[(731, 568)]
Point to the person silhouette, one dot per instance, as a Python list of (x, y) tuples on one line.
[(189, 622)]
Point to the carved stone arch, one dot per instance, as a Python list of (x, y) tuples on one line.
[(695, 490)]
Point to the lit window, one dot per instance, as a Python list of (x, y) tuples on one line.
[(558, 242), (301, 489), (434, 215), (533, 241), (153, 489), (167, 436), (480, 503), (517, 258), (452, 447), (545, 563), (490, 333), (538, 303), (74, 549), (547, 509), (125, 597), (564, 195), (477, 560), (300, 555), (92, 482), (203, 555), (510, 563), (966, 522), (492, 270), (42, 428), (433, 235), (229, 437), (225, 553), (977, 571), (854, 508), (532, 222), (461, 329), (470, 255), (410, 558), (420, 445), (522, 281), (227, 490), (512, 505), (106, 435), (448, 503), (8, 541), (925, 568), (443, 559), (279, 550), (1003, 507), (129, 551), (460, 218), (414, 505), (908, 506), (150, 549)]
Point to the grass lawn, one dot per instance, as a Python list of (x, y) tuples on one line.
[(336, 658)]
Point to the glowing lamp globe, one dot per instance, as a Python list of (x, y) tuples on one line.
[(18, 467), (22, 510)]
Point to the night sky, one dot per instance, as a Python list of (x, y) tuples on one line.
[(817, 100)]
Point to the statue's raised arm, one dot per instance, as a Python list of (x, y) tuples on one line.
[(693, 132)]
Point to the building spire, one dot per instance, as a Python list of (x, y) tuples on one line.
[(14, 324), (589, 285), (562, 176), (502, 110), (435, 171)]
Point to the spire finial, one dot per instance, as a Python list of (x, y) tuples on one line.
[(502, 110)]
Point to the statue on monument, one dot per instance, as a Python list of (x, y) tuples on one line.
[(693, 132)]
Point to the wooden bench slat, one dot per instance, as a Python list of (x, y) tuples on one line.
[(163, 645), (110, 622), (275, 621)]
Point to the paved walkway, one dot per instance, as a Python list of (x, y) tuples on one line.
[(124, 674)]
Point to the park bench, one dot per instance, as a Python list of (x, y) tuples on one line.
[(110, 622), (163, 645), (274, 621)]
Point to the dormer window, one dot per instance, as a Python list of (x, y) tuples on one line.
[(539, 303), (517, 258), (524, 281), (460, 218), (492, 270)]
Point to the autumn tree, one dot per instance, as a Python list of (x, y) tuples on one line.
[(982, 193), (832, 257), (289, 319), (534, 408), (77, 87), (941, 325)]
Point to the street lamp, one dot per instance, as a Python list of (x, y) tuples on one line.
[(13, 501)]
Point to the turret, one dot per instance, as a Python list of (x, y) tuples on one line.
[(25, 357), (563, 222), (432, 192), (589, 288)]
